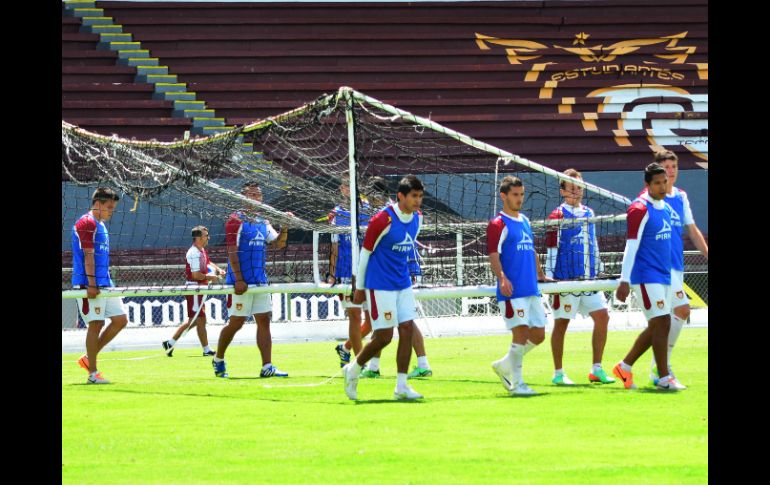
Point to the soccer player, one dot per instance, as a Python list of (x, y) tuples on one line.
[(567, 260), (682, 216), (198, 270), (511, 250), (647, 267), (379, 198), (383, 279), (91, 271), (247, 240)]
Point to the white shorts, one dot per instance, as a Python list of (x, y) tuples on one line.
[(523, 311), (678, 295), (387, 309), (100, 308), (567, 305), (249, 304), (654, 298)]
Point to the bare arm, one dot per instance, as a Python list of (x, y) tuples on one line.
[(506, 288), (280, 242), (333, 261), (697, 238), (198, 276), (92, 291), (235, 264)]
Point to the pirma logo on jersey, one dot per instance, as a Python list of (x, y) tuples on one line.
[(525, 244), (676, 221), (664, 233), (404, 246), (258, 240)]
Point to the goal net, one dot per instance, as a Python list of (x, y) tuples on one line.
[(301, 160)]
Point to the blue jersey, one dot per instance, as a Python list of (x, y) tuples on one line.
[(680, 217), (514, 241), (391, 242), (251, 238), (572, 259), (652, 263), (89, 233), (341, 217)]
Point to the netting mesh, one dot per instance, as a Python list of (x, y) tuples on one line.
[(300, 160)]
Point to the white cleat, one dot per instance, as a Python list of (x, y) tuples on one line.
[(97, 379), (406, 394), (671, 385), (505, 373), (522, 390), (351, 382)]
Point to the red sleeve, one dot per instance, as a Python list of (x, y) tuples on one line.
[(551, 236), (377, 224), (636, 213), (86, 229), (232, 227), (494, 231)]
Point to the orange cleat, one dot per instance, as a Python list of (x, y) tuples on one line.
[(83, 362), (626, 377)]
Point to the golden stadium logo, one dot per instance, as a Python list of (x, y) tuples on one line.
[(658, 61)]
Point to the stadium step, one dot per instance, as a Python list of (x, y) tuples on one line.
[(166, 87), (71, 4), (86, 12), (119, 46), (115, 37), (138, 61), (183, 104), (133, 53), (101, 29), (208, 122), (173, 95), (209, 130), (196, 112), (156, 78), (146, 69), (96, 20)]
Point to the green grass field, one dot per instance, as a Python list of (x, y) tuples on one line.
[(169, 420)]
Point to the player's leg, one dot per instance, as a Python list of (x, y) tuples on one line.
[(351, 372), (596, 307), (200, 326), (92, 344), (262, 308), (238, 307), (679, 316), (115, 311), (565, 307), (422, 369), (405, 315)]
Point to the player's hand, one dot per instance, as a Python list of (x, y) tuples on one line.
[(240, 287), (92, 292), (506, 288), (213, 277), (546, 279), (359, 296), (622, 292), (331, 279), (221, 272)]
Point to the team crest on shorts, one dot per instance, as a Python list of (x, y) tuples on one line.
[(680, 294), (97, 309), (388, 315), (567, 308), (661, 303), (239, 306), (520, 313)]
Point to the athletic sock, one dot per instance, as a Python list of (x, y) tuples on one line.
[(625, 366), (401, 381), (217, 359), (596, 367), (207, 349), (374, 364), (422, 362), (171, 341), (558, 372), (355, 367), (529, 346), (517, 356)]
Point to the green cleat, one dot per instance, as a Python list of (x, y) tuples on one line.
[(562, 380), (600, 376), (370, 374), (420, 372)]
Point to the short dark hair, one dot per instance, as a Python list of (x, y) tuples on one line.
[(662, 155), (197, 231), (508, 182), (103, 194), (572, 173), (652, 170), (408, 184)]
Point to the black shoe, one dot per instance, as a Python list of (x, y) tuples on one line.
[(168, 348), (209, 353)]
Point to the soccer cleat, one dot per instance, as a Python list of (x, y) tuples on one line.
[(273, 371), (406, 394), (350, 379), (97, 378), (419, 372), (83, 362), (671, 385), (209, 353), (168, 348), (600, 376), (626, 377), (219, 368), (370, 374), (562, 380), (344, 354), (522, 389), (654, 377), (505, 373)]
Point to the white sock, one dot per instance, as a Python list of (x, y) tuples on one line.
[(374, 364), (93, 374), (596, 367), (355, 367), (673, 336), (422, 362), (625, 366), (529, 346), (401, 380), (171, 341), (663, 380), (267, 365), (558, 372), (217, 359), (206, 349), (517, 355)]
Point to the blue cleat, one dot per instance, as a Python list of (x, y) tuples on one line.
[(273, 371), (344, 354), (219, 368)]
